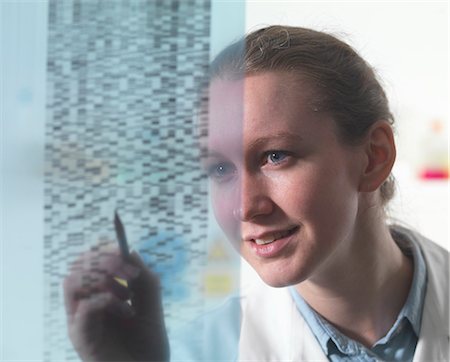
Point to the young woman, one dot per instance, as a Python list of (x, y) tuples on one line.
[(300, 150)]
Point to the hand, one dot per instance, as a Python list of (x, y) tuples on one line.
[(102, 325)]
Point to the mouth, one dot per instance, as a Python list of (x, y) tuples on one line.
[(276, 236), (272, 245)]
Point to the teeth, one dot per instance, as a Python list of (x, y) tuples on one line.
[(268, 241), (262, 242)]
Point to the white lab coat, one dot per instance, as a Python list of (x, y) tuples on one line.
[(272, 329)]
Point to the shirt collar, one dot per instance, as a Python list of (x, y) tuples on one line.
[(313, 319), (323, 330)]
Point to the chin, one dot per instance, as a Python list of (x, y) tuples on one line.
[(277, 284), (279, 281)]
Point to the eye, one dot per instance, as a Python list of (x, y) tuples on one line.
[(275, 157), (221, 171)]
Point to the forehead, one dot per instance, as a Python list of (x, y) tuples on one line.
[(258, 105), (273, 90)]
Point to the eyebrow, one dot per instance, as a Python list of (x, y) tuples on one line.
[(282, 135)]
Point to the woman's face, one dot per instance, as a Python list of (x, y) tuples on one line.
[(284, 188)]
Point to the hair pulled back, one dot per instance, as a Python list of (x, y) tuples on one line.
[(346, 85)]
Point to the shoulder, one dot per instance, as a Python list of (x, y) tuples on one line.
[(435, 256), (433, 344), (433, 253), (437, 261)]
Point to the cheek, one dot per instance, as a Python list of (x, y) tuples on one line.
[(298, 192), (322, 197), (332, 204)]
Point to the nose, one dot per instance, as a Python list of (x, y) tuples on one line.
[(255, 201)]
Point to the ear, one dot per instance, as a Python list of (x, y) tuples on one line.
[(380, 154)]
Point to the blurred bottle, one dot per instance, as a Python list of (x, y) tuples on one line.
[(433, 162)]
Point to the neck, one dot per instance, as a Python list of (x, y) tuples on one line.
[(362, 287)]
